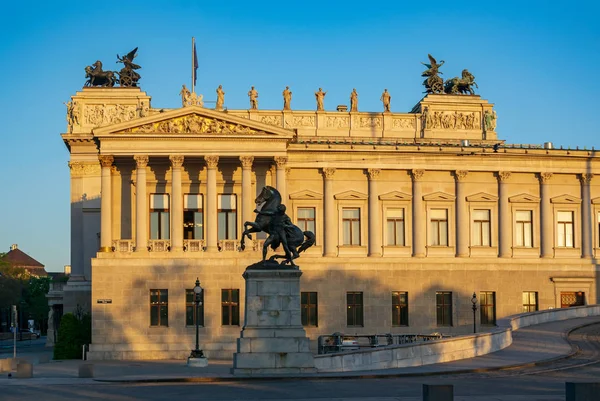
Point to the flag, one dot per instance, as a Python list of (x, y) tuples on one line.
[(195, 71)]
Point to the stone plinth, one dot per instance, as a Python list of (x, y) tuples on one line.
[(197, 362), (273, 340)]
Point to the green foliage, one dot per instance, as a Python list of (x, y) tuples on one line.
[(73, 333)]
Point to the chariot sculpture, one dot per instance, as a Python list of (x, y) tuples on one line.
[(273, 220), (96, 76), (434, 84)]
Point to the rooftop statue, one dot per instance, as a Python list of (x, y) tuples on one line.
[(273, 220), (220, 98), (433, 83), (128, 75), (253, 95), (462, 85), (320, 95), (96, 76), (287, 98)]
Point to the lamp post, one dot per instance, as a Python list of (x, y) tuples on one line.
[(197, 353), (474, 302)]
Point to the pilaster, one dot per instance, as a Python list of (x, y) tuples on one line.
[(504, 216), (462, 215), (247, 210), (418, 209), (546, 218), (141, 205), (176, 204), (329, 227), (211, 203), (106, 162), (374, 213), (586, 216)]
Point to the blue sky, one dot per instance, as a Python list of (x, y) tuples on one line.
[(535, 60)]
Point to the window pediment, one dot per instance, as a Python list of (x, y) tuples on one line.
[(482, 197), (351, 195), (439, 196), (566, 199), (596, 201), (306, 195), (395, 196), (524, 198)]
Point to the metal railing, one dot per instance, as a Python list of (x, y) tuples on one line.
[(338, 342)]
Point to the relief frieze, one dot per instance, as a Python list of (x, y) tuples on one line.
[(454, 120), (194, 124), (338, 122), (369, 122), (109, 114), (300, 121), (271, 120), (403, 123)]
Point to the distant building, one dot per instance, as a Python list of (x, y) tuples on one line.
[(17, 258), (413, 212)]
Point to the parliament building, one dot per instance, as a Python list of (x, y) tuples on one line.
[(413, 213)]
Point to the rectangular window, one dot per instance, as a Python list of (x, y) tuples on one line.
[(193, 217), (487, 307), (159, 216), (227, 216), (306, 219), (354, 302), (564, 229), (480, 236), (443, 301), (524, 228), (530, 301), (191, 314), (351, 226), (395, 227), (159, 307), (230, 307), (309, 309), (438, 227), (399, 308)]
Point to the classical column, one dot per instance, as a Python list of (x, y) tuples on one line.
[(281, 161), (504, 216), (211, 203), (141, 208), (329, 227), (586, 216), (419, 223), (176, 204), (546, 218), (106, 204), (374, 215), (247, 209), (462, 215)]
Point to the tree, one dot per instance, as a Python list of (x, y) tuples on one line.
[(75, 331)]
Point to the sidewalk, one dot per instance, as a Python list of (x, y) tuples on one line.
[(532, 345)]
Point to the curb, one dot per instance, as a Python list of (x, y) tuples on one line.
[(574, 351)]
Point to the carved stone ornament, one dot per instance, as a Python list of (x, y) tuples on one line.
[(271, 120), (328, 173), (281, 161), (586, 179), (417, 175), (106, 160), (453, 120), (300, 121), (545, 177), (369, 122), (79, 169), (194, 124), (211, 161), (104, 114), (373, 173), (141, 161), (403, 123), (338, 122), (176, 161), (503, 175), (246, 161), (460, 175)]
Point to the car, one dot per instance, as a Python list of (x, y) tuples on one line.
[(28, 334), (348, 343)]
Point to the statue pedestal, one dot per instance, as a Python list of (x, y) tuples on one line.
[(272, 340)]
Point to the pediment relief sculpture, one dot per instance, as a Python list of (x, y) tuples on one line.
[(194, 124)]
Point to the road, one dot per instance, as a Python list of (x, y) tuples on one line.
[(536, 383)]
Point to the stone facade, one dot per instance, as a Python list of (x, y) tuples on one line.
[(399, 202)]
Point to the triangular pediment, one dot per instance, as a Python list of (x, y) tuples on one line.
[(439, 196), (524, 198), (196, 121), (568, 199), (482, 197), (306, 195), (395, 196), (351, 195), (596, 201)]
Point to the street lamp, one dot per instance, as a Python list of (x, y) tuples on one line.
[(474, 302), (197, 353)]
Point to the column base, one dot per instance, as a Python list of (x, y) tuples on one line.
[(105, 249), (212, 249)]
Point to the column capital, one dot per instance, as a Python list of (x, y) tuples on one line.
[(328, 173), (211, 161), (586, 178), (246, 161), (503, 175), (106, 160), (544, 177), (460, 175), (373, 173), (288, 171), (176, 161), (281, 161), (141, 161), (417, 175)]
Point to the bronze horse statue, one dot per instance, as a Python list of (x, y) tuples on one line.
[(457, 85), (97, 77), (273, 220)]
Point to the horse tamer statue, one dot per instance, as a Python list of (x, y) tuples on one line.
[(272, 219)]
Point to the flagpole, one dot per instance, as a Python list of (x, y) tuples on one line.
[(193, 43)]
